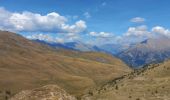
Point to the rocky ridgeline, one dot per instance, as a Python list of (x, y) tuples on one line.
[(117, 82)]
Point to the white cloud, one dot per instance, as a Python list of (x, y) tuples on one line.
[(28, 21), (4, 16), (161, 31), (55, 23), (87, 14), (101, 34), (59, 40), (142, 31), (137, 20), (139, 31), (135, 34), (72, 36), (78, 27), (45, 37)]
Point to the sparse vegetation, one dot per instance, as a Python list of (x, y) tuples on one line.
[(141, 84), (116, 87), (130, 96), (156, 91), (8, 92), (138, 99)]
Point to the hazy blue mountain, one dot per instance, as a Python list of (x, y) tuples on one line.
[(112, 49), (115, 48), (73, 46), (148, 51)]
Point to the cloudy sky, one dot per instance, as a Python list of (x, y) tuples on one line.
[(90, 21)]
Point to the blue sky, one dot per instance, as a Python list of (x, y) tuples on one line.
[(113, 17)]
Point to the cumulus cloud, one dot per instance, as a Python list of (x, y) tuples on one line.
[(72, 36), (101, 34), (4, 18), (45, 37), (137, 20), (135, 34), (79, 26), (59, 40), (55, 23), (142, 31), (87, 14), (28, 21), (139, 31), (161, 31), (101, 38)]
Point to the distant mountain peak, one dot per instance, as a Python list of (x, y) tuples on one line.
[(78, 46), (146, 52)]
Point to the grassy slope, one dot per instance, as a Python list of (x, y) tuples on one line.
[(25, 65), (153, 84)]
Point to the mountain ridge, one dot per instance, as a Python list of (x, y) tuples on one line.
[(78, 46)]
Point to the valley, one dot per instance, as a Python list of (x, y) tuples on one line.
[(84, 50), (26, 64), (30, 69)]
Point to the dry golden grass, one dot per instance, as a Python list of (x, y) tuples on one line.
[(153, 84), (25, 65)]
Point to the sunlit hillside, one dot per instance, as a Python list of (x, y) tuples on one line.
[(25, 65), (149, 83)]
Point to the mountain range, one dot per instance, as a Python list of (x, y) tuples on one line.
[(152, 50), (78, 46)]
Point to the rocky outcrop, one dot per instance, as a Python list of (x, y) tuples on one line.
[(49, 92)]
